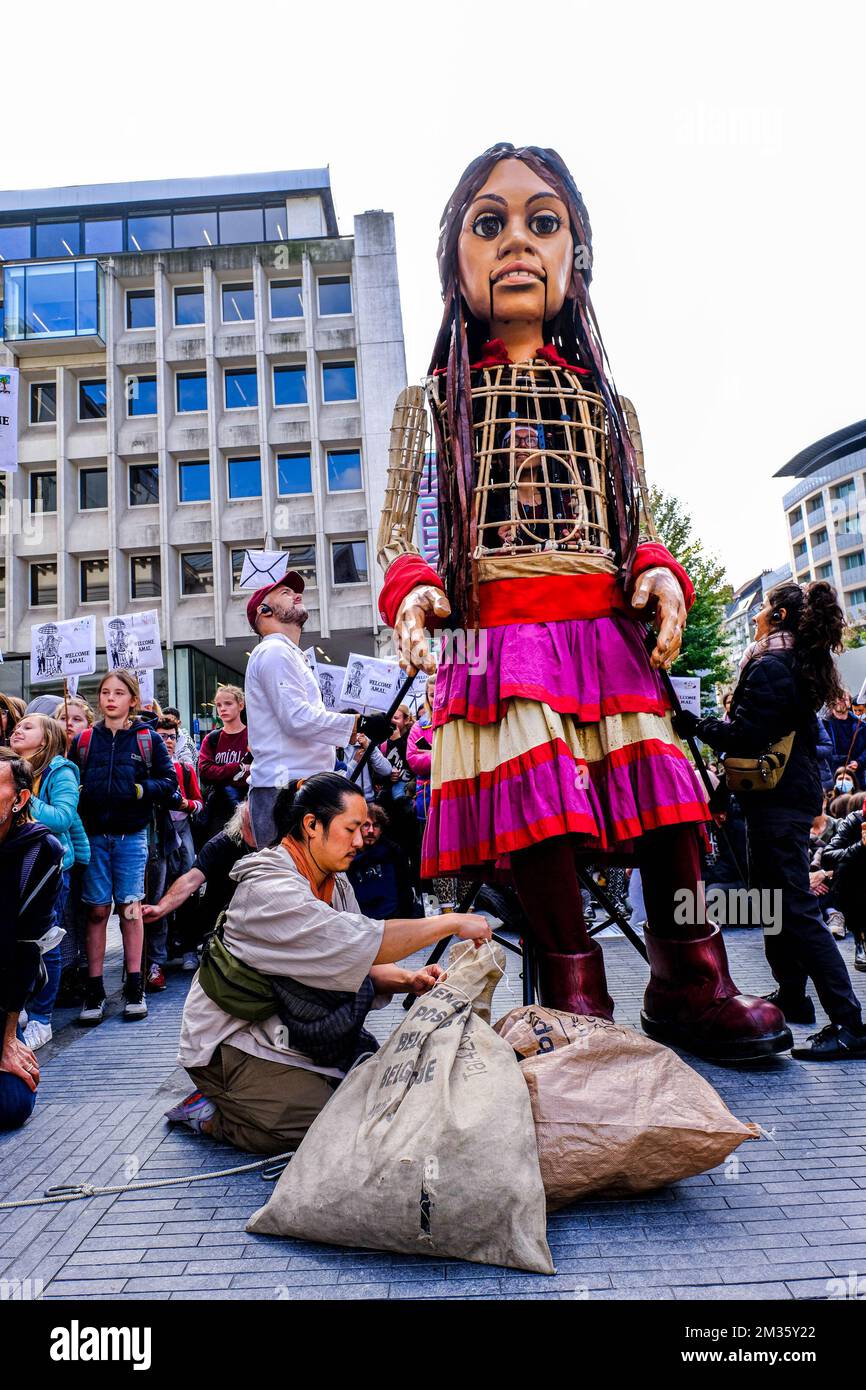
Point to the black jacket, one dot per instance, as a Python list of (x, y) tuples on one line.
[(30, 870), (846, 852), (109, 804), (769, 701)]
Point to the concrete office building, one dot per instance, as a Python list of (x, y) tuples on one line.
[(206, 366), (826, 514)]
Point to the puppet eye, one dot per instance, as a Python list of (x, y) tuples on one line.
[(487, 225), (545, 223)]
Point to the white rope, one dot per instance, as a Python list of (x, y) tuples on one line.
[(75, 1193)]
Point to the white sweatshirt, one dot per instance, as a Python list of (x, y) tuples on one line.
[(290, 732)]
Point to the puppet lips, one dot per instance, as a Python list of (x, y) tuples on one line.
[(517, 272)]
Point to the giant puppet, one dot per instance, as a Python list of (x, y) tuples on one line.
[(556, 739)]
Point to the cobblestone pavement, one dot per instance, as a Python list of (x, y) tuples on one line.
[(794, 1218)]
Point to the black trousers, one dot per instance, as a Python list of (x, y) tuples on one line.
[(849, 895), (778, 843)]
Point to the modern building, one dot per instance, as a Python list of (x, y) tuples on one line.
[(206, 366), (741, 611), (826, 514)]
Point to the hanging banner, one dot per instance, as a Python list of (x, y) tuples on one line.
[(9, 419), (144, 676), (132, 640), (371, 683), (263, 567), (688, 690), (62, 649), (330, 679)]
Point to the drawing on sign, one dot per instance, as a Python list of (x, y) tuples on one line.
[(47, 652), (122, 647), (354, 687)]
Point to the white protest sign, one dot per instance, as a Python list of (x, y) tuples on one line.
[(132, 640), (72, 685), (330, 680), (9, 419), (688, 691), (144, 676), (263, 567), (310, 657), (371, 682), (62, 649)]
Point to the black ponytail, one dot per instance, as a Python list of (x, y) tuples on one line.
[(323, 795), (813, 615)]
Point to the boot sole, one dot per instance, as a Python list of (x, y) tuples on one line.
[(738, 1050)]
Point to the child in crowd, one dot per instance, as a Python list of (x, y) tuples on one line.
[(224, 761), (175, 853)]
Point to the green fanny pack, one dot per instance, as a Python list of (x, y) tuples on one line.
[(238, 989)]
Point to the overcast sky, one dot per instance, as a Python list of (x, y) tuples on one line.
[(721, 157)]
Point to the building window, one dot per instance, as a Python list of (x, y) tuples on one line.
[(92, 400), (287, 300), (344, 470), (842, 490), (819, 538), (196, 572), (335, 295), (143, 484), (53, 300), (824, 572), (145, 576), (195, 229), (43, 402), (855, 596), (795, 518), (150, 233), (191, 392), (241, 224), (290, 386), (815, 504), (103, 234), (93, 489), (349, 562), (294, 475), (2, 584), (303, 559), (239, 304), (242, 389), (43, 584), (188, 306), (237, 558), (193, 480), (140, 395), (57, 239), (275, 223), (245, 478), (43, 492), (94, 580), (15, 243), (854, 560), (800, 550), (140, 309), (339, 382)]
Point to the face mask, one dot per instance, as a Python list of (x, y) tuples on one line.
[(845, 786)]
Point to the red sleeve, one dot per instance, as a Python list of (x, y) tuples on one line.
[(401, 576), (193, 790), (653, 553)]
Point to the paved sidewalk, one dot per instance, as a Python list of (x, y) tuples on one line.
[(793, 1218)]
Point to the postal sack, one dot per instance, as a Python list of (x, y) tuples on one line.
[(428, 1147), (614, 1112)]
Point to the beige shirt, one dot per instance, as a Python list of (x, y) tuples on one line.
[(277, 925)]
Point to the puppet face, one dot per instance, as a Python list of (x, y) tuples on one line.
[(515, 252)]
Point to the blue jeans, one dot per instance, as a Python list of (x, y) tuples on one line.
[(16, 1099), (41, 1005), (116, 869)]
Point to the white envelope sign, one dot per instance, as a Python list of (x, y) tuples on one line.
[(145, 679), (132, 640), (62, 649), (688, 689), (263, 567), (371, 683)]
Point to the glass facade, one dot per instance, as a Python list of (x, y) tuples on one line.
[(195, 229), (239, 305), (303, 559), (245, 478), (141, 395), (92, 400), (294, 474), (290, 386), (242, 390), (344, 470), (53, 301), (150, 233), (57, 239), (102, 235), (15, 242), (287, 300), (107, 232), (43, 492), (188, 306), (140, 309), (196, 572), (93, 489), (349, 559), (191, 391), (94, 580), (242, 224), (143, 484), (145, 577), (43, 402), (193, 481), (339, 382), (335, 295)]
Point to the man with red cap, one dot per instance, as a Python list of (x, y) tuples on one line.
[(291, 733)]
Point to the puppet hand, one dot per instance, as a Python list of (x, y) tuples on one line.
[(670, 612), (410, 633)]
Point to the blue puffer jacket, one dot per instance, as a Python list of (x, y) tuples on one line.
[(115, 766), (57, 807)]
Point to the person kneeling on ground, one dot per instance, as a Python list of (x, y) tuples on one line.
[(294, 935)]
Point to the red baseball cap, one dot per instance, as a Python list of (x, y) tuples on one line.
[(291, 580)]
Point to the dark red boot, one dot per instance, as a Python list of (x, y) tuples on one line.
[(575, 983), (691, 1002)]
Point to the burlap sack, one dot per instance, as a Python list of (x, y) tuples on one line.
[(614, 1112), (427, 1147)]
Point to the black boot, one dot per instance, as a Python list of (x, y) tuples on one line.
[(800, 1010), (835, 1043)]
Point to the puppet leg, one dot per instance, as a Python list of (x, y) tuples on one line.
[(691, 1000), (570, 965)]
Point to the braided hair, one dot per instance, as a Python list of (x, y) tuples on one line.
[(573, 332), (813, 615)]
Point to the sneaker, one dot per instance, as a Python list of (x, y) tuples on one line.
[(191, 1112), (835, 1043), (190, 960), (795, 1010), (36, 1034), (23, 1019), (836, 923), (93, 1009), (860, 955), (155, 978), (135, 1007)]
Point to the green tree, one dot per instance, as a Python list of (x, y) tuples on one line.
[(703, 650)]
